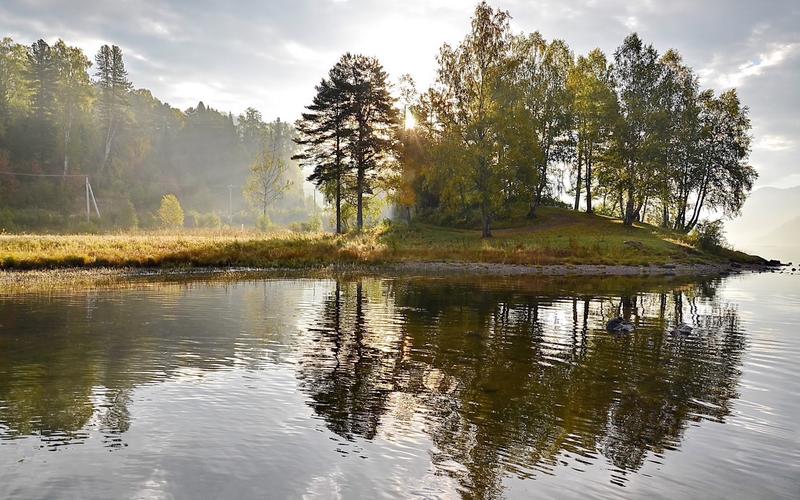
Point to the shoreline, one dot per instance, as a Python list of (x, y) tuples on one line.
[(13, 280)]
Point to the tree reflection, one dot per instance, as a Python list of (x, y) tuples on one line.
[(345, 371), (513, 378), (507, 377), (71, 363)]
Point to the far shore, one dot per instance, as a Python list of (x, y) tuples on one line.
[(558, 242), (15, 281)]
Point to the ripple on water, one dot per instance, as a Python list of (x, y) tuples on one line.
[(385, 387)]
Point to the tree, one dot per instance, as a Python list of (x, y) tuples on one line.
[(410, 153), (638, 138), (170, 213), (725, 176), (594, 113), (266, 183), (464, 104), (14, 84), (323, 135), (74, 90), (681, 166), (373, 119), (540, 77), (250, 127), (42, 75), (113, 84)]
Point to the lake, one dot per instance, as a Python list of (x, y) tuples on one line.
[(403, 387)]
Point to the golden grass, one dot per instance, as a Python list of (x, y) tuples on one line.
[(557, 237)]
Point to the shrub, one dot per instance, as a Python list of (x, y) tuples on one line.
[(170, 212), (709, 236), (313, 225), (193, 218), (210, 220), (263, 223), (124, 216), (6, 220)]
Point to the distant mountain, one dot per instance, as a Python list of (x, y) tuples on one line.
[(771, 216), (787, 234)]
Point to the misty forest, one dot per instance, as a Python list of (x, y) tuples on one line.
[(512, 122)]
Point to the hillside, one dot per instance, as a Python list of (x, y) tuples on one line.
[(558, 236), (785, 235)]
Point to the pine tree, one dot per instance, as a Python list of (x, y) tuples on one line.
[(42, 74), (373, 119), (43, 78), (112, 80), (323, 136)]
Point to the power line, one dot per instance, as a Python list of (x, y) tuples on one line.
[(42, 175), (152, 182)]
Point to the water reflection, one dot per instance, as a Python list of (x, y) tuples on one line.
[(506, 377), (512, 378)]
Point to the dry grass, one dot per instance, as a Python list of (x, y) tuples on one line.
[(557, 237)]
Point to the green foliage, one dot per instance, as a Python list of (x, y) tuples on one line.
[(263, 223), (206, 221), (509, 114), (124, 217), (709, 236), (348, 132), (57, 117), (170, 213), (266, 183)]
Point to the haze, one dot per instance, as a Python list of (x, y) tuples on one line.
[(269, 55)]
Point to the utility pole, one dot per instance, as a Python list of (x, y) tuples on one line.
[(230, 204), (88, 210)]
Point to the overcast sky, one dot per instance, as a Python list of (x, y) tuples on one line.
[(269, 54)]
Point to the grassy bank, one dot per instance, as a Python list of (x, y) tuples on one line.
[(557, 237)]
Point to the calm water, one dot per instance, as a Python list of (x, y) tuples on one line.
[(406, 387)]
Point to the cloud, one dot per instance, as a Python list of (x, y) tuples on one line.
[(773, 57), (271, 54), (769, 142)]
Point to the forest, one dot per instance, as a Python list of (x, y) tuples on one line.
[(63, 118), (512, 122)]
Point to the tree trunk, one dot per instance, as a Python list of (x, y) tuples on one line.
[(589, 182), (698, 207), (579, 181), (66, 145), (360, 208), (629, 210), (537, 198), (107, 151), (641, 214), (486, 219), (338, 185), (338, 203)]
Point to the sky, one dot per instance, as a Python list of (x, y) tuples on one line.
[(270, 54)]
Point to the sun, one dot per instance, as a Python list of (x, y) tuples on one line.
[(410, 121)]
